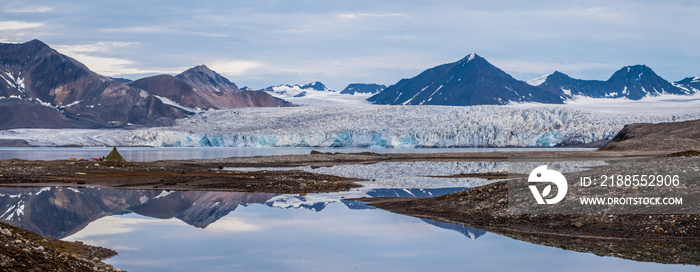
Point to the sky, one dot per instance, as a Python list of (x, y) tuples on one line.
[(270, 42)]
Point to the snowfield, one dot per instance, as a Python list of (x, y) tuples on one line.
[(580, 121)]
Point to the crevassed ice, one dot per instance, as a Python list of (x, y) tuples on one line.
[(369, 126), (392, 126)]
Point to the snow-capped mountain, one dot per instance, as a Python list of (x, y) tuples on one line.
[(313, 94), (632, 82), (469, 81), (317, 86), (635, 82), (203, 89), (363, 88), (296, 90), (558, 81), (43, 88)]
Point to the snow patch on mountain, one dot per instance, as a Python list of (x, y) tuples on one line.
[(539, 80), (14, 81), (169, 102), (471, 56)]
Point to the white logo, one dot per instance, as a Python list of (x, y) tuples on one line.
[(541, 174)]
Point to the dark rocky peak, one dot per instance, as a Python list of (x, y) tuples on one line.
[(318, 86), (363, 88), (634, 72), (20, 52), (204, 79), (558, 75), (638, 81)]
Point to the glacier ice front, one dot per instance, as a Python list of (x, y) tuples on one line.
[(367, 126), (392, 126)]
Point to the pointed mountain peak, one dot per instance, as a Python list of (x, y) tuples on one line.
[(36, 43), (201, 77), (471, 57), (469, 81), (558, 76), (202, 69)]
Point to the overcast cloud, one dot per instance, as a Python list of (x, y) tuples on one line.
[(265, 42)]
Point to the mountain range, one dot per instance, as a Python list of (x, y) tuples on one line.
[(469, 81), (59, 212), (632, 82), (204, 89), (41, 88), (474, 81)]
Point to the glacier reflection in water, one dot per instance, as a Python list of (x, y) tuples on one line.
[(430, 174)]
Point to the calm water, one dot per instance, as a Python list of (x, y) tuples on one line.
[(221, 231), (179, 153), (224, 231)]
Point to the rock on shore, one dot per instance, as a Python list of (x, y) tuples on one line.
[(24, 250), (676, 136)]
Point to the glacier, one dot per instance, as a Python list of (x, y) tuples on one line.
[(378, 126)]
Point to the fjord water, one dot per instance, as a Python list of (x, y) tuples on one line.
[(156, 230), (183, 153)]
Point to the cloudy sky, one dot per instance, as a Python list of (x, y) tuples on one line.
[(269, 42)]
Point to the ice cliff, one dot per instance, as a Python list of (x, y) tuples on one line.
[(366, 126)]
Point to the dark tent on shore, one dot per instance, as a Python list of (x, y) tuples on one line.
[(114, 156)]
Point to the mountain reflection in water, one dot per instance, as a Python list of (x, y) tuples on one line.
[(59, 212)]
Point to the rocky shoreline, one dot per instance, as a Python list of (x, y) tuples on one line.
[(24, 250), (662, 238), (212, 174)]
